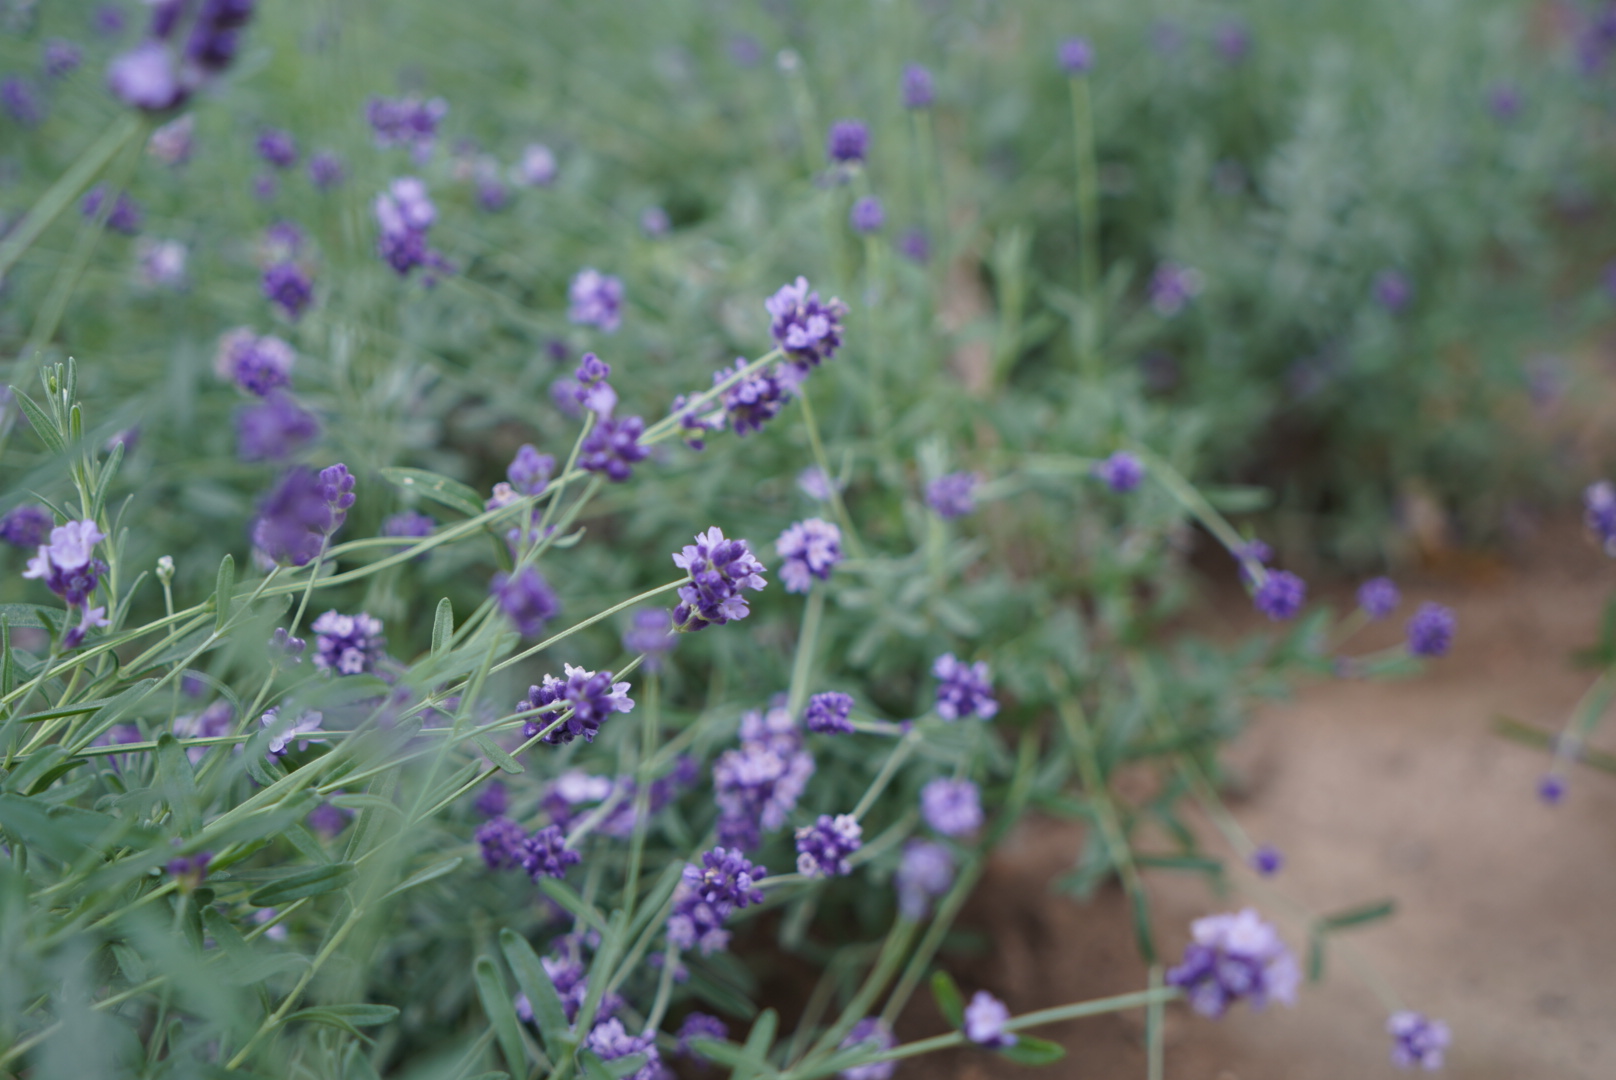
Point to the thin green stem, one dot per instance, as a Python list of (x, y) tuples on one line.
[(854, 544)]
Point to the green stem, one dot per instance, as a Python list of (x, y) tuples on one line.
[(854, 544), (803, 663)]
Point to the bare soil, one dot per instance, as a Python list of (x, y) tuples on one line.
[(1506, 920)]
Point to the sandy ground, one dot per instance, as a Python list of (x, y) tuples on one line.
[(1506, 923)]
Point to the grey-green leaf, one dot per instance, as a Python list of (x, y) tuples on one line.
[(316, 882)]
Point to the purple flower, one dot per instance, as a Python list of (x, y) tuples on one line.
[(288, 649), (1393, 291), (813, 483), (526, 599), (1379, 597), (1430, 631), (329, 820), (125, 216), (823, 847), (274, 430), (591, 695), (919, 91), (1233, 40), (1281, 595), (404, 213), (951, 807), (529, 471), (408, 122), (277, 147), (828, 714), (108, 20), (501, 842), (572, 790), (210, 723), (706, 896), (1417, 1040), (720, 570), (867, 215), (1172, 287), (173, 142), (21, 100), (147, 78), (810, 549), (593, 391), (27, 525), (1599, 513), (325, 170), (848, 142), (963, 689), (259, 365), (348, 644), (1122, 472), (537, 167), (288, 288), (1267, 860), (872, 1034), (215, 35), (1235, 956), (410, 523), (757, 785), (161, 263), (494, 800), (952, 496), (545, 854), (304, 508), (755, 399), (62, 58), (651, 634), (610, 1041), (1076, 56), (700, 1026), (595, 299), (67, 563), (1551, 789), (808, 331), (985, 1018), (613, 447), (915, 245), (282, 733), (745, 50), (265, 187), (654, 222), (188, 871), (925, 873)]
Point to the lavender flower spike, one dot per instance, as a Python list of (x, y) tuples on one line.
[(1430, 631), (1122, 472), (592, 695), (1076, 56), (952, 807), (925, 872), (1235, 956), (828, 714), (964, 689), (305, 508), (872, 1034), (1281, 595), (1379, 597), (811, 549), (848, 142), (706, 896), (526, 599), (919, 90), (808, 331), (952, 496), (985, 1018), (1599, 513), (719, 571), (596, 300), (823, 847), (1417, 1040), (347, 644)]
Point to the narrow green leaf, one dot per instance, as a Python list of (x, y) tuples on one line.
[(358, 1014), (39, 420), (8, 670), (174, 776), (497, 755), (1315, 956), (548, 1013), (501, 1013), (224, 591), (1358, 916), (431, 873), (567, 897), (949, 1000), (440, 489), (758, 1042), (442, 627), (1033, 1051), (316, 882), (727, 1053), (27, 774), (326, 1019)]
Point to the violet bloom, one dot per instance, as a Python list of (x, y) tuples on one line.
[(173, 143), (27, 525), (925, 873), (404, 213), (1393, 291), (61, 58), (1267, 860), (707, 894), (654, 222), (807, 331), (755, 399), (592, 696), (919, 91), (274, 430), (595, 299), (210, 723), (700, 1026), (285, 648), (871, 1033), (1551, 789), (985, 1018), (500, 840), (1076, 56), (161, 263), (810, 549), (408, 122), (651, 634), (408, 523), (952, 496), (951, 807), (720, 570), (848, 142), (813, 483), (545, 854), (1235, 956), (68, 567), (915, 245), (1122, 472), (526, 599), (325, 170), (304, 508), (277, 147), (329, 820), (1417, 1040), (493, 800), (867, 215), (610, 1041), (613, 447), (265, 187), (529, 471), (1599, 514), (1172, 287), (823, 847), (188, 871), (1281, 595), (593, 391), (288, 288), (108, 20), (125, 216), (1379, 597), (215, 35), (964, 689), (1232, 40), (1430, 631), (348, 644), (284, 733), (259, 365), (828, 714), (757, 785), (537, 168), (147, 78), (19, 98)]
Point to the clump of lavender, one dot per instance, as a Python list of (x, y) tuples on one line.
[(124, 217), (655, 223), (985, 1018), (964, 689), (160, 72), (404, 213), (161, 263), (1551, 789), (1417, 1040), (951, 807), (1076, 56), (952, 496), (867, 216), (493, 800), (61, 58), (810, 549), (257, 364), (173, 143), (500, 841), (919, 90), (188, 871), (706, 896), (591, 695), (325, 170), (537, 166), (755, 399), (274, 429), (408, 523), (526, 599), (925, 872), (700, 1026), (1599, 514), (1430, 631), (277, 147), (529, 471), (808, 331), (757, 785), (27, 525), (651, 633), (1379, 597), (329, 819), (1267, 860), (304, 508), (915, 245), (21, 101), (407, 122), (595, 299), (68, 566), (1172, 287), (1232, 39), (828, 714), (1281, 595), (210, 723), (847, 142), (282, 734), (823, 847), (611, 1041), (1122, 472), (288, 287), (720, 570), (545, 854), (1235, 956), (871, 1033), (348, 644), (613, 447)]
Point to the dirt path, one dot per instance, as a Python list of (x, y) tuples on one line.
[(1506, 924)]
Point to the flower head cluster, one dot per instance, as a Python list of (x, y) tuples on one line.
[(210, 723), (985, 1018), (529, 471), (591, 695), (283, 733), (61, 58), (1172, 287), (26, 526), (1267, 860), (828, 713), (925, 872), (161, 263), (595, 299), (720, 570), (408, 122), (304, 508), (408, 523), (1235, 956), (964, 689), (952, 807), (652, 634), (571, 979), (500, 840), (1393, 290), (161, 73), (537, 167), (847, 142), (1281, 595), (823, 847), (1121, 472), (952, 496), (1599, 513), (188, 871), (613, 447), (757, 785), (1076, 56), (68, 566), (274, 429), (919, 90), (288, 287), (258, 365), (1379, 597), (871, 1033), (700, 1026), (1417, 1040), (610, 1041), (277, 147), (706, 896), (526, 599), (173, 143), (124, 217), (1430, 631), (811, 549), (545, 854), (807, 330), (867, 216), (593, 392), (404, 214), (348, 644), (755, 399)]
